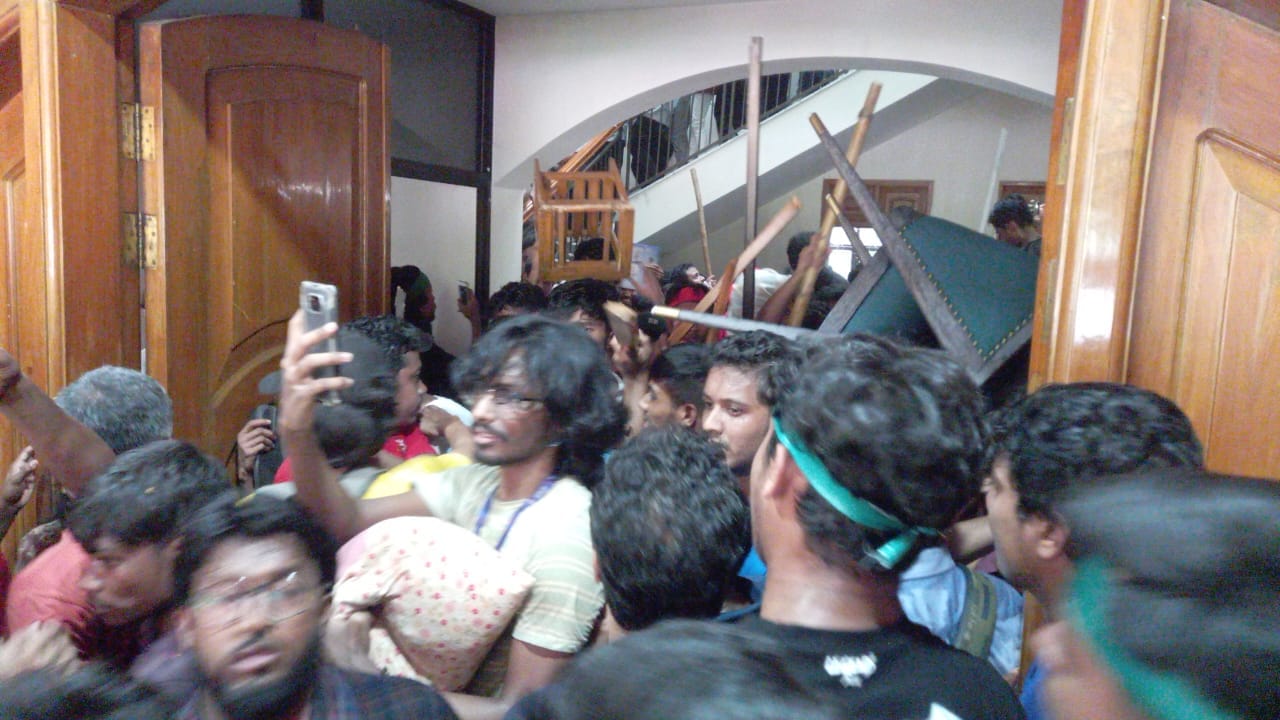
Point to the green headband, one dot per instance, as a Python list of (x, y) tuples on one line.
[(855, 508), (1162, 695)]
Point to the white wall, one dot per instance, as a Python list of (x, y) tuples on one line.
[(560, 78), (433, 226), (955, 150)]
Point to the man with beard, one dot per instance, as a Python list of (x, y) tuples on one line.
[(744, 381), (546, 408), (253, 578)]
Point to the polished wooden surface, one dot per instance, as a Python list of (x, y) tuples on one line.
[(1206, 319), (272, 169), (25, 315), (100, 293), (1106, 159), (13, 189)]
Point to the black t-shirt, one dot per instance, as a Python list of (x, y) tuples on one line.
[(901, 672)]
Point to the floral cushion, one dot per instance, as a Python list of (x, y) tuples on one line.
[(440, 597)]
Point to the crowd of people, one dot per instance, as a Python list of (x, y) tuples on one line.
[(589, 524)]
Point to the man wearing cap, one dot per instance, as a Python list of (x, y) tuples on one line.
[(841, 502)]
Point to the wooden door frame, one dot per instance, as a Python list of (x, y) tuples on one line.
[(1097, 179), (75, 169)]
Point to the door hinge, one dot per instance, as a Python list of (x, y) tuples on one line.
[(137, 131), (141, 240)]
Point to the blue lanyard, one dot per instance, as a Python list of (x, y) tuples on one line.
[(537, 495)]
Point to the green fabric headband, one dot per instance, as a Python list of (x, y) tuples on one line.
[(855, 508), (1162, 695)]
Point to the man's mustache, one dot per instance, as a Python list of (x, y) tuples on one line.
[(480, 427)]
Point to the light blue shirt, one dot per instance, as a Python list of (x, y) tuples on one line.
[(932, 593)]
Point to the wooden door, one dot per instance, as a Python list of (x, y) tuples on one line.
[(271, 168), (12, 191), (1161, 269), (1206, 317)]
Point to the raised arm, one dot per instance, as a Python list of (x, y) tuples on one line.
[(73, 453), (778, 306), (317, 481)]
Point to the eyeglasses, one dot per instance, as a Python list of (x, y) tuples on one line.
[(504, 397), (285, 597)]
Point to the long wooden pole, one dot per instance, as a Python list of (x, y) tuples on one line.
[(753, 170), (702, 220), (731, 324), (805, 293)]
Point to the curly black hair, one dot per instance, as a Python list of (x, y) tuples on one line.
[(147, 495), (1063, 433), (900, 427), (772, 358), (565, 368), (588, 295), (670, 528)]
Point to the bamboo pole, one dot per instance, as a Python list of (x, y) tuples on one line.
[(753, 170), (805, 293), (702, 219)]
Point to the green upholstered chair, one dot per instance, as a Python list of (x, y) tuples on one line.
[(979, 294)]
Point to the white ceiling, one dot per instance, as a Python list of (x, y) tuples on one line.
[(540, 7)]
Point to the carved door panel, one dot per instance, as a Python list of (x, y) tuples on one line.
[(270, 168), (1206, 314), (12, 190)]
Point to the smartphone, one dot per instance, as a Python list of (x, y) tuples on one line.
[(464, 292), (319, 304), (265, 464)]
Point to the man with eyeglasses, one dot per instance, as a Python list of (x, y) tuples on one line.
[(546, 409), (252, 580)]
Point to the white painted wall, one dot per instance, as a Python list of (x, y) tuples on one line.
[(955, 150), (562, 77), (433, 226)]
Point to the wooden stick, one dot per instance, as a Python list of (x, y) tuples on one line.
[(753, 171), (731, 324), (757, 246), (805, 293), (622, 321), (702, 219), (721, 305)]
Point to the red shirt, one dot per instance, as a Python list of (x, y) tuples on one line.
[(4, 590), (402, 445), (49, 589)]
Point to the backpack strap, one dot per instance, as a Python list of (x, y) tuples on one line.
[(978, 619)]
